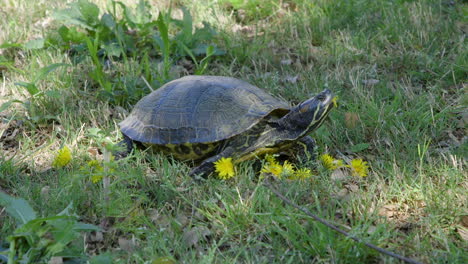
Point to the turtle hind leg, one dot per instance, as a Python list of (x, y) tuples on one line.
[(127, 145)]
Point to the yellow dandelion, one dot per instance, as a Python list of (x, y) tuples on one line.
[(224, 168), (335, 101), (96, 178), (288, 169), (273, 168), (331, 163), (95, 170), (62, 158), (95, 165), (270, 159), (359, 167), (301, 174)]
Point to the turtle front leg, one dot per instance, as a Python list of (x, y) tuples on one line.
[(207, 166), (306, 148)]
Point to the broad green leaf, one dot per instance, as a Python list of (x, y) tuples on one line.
[(108, 21), (43, 72), (63, 32), (10, 45), (201, 49), (360, 147), (206, 33), (67, 210), (63, 233), (113, 49), (129, 17), (6, 105), (71, 35), (95, 132), (71, 16), (85, 227), (30, 87), (53, 94), (105, 258), (89, 11), (17, 208), (210, 50), (143, 15), (35, 44)]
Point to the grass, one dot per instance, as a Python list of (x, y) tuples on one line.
[(398, 67)]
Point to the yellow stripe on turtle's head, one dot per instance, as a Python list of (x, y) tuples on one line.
[(309, 115)]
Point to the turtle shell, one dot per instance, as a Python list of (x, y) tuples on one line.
[(199, 109)]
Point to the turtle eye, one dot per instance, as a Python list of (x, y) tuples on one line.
[(321, 97)]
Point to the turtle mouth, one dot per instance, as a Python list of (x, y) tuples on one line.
[(325, 97)]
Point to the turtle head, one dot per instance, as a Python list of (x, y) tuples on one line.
[(308, 115)]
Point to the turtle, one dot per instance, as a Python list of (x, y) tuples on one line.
[(206, 118)]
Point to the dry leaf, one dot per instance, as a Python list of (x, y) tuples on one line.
[(463, 232), (182, 219), (93, 151), (351, 119), (370, 82), (339, 174), (286, 62), (44, 23), (388, 210), (45, 192), (95, 237), (194, 235), (371, 229), (352, 187), (119, 112), (127, 244), (291, 79), (191, 237), (55, 260), (463, 121), (464, 221), (153, 214), (342, 193)]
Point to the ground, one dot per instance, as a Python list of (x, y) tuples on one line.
[(399, 69)]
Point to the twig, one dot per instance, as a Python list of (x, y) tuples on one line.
[(323, 221), (147, 84)]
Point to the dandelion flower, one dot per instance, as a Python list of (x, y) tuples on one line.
[(273, 168), (331, 163), (288, 169), (96, 178), (95, 170), (224, 168), (270, 159), (95, 165), (301, 174), (63, 158), (359, 167), (335, 101)]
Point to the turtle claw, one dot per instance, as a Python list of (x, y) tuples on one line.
[(202, 171), (198, 174)]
